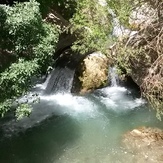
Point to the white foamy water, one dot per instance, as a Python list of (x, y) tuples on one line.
[(119, 99), (78, 104), (64, 128), (43, 85)]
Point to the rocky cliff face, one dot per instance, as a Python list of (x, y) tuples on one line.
[(146, 64), (143, 55)]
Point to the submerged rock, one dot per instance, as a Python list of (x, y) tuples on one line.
[(145, 143)]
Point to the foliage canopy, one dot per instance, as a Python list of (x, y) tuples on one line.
[(30, 42)]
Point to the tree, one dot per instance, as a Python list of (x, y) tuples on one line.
[(30, 43)]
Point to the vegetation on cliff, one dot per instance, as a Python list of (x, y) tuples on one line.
[(142, 55), (28, 42), (93, 23)]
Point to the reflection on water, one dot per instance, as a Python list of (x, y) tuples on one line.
[(76, 129)]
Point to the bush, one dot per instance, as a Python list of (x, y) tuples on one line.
[(92, 24)]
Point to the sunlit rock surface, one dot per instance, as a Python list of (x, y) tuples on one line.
[(143, 16), (92, 73)]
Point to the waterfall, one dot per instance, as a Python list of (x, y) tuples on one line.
[(60, 80), (113, 76)]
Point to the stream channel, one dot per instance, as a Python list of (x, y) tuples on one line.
[(67, 128)]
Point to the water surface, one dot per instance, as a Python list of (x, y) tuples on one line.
[(76, 129)]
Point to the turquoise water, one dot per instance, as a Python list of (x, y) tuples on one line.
[(76, 129)]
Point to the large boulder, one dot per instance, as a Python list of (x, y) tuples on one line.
[(92, 73)]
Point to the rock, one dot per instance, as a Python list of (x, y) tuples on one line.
[(66, 39), (92, 73), (142, 16), (144, 51), (146, 65), (145, 143), (147, 18)]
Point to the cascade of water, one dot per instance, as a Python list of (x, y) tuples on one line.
[(60, 80), (109, 99), (113, 76)]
